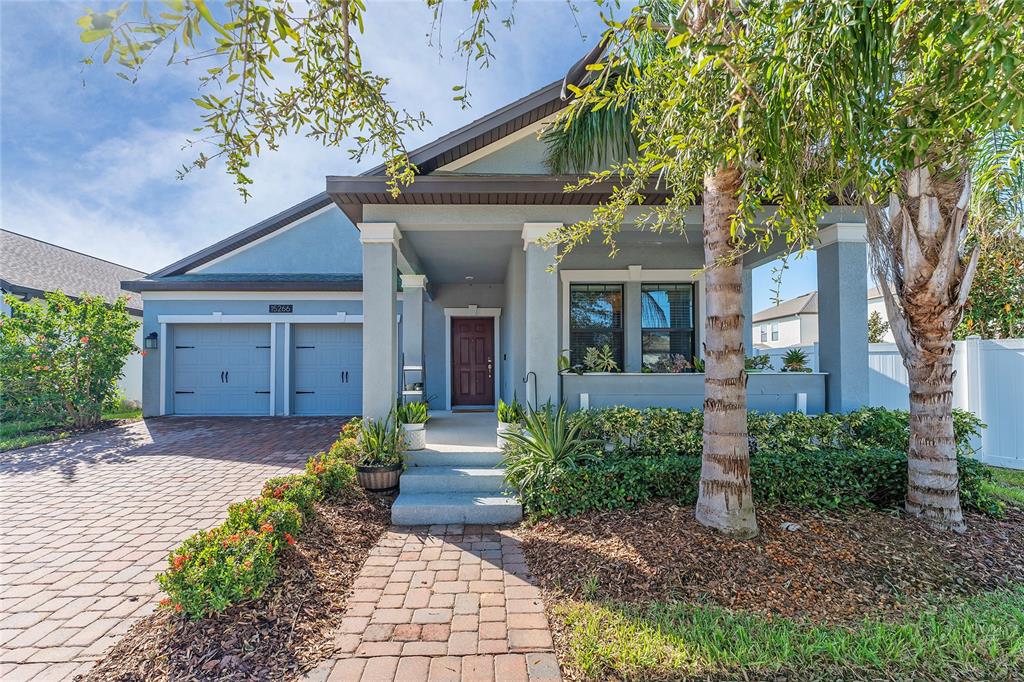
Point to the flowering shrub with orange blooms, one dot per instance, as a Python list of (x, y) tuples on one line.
[(60, 358), (333, 472), (265, 515), (299, 489), (214, 569)]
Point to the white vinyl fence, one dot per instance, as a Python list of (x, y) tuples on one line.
[(989, 382)]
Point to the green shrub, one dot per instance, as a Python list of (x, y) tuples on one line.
[(818, 479), (333, 471), (548, 446), (299, 489), (265, 515), (214, 569), (666, 431)]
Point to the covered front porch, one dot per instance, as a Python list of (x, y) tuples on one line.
[(487, 311)]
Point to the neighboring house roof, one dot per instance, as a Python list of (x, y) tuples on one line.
[(32, 267), (801, 305), (874, 293), (250, 282)]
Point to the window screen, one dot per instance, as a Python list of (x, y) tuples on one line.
[(595, 319), (666, 321)]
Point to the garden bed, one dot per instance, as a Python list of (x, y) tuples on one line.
[(650, 594), (22, 434), (285, 632), (836, 568)]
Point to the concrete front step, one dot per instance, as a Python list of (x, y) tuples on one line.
[(441, 458), (417, 509), (453, 479)]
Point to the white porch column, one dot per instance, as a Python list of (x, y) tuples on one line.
[(380, 319), (843, 315), (541, 323), (413, 291)]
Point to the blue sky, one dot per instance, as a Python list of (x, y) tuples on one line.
[(88, 161)]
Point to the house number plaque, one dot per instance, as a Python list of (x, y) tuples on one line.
[(280, 307)]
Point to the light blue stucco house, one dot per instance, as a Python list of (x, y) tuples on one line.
[(342, 303)]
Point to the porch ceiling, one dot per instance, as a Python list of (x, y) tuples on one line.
[(449, 256)]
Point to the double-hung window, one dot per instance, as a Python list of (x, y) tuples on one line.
[(666, 321), (775, 331), (595, 320)]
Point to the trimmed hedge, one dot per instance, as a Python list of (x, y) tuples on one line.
[(667, 431), (823, 479), (827, 461), (236, 561)]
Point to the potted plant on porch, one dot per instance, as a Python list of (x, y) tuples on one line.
[(380, 461), (413, 418), (510, 416)]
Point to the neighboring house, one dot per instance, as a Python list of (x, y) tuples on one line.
[(791, 323), (347, 300), (29, 268), (794, 322)]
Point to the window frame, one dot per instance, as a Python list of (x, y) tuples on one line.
[(691, 329), (620, 331)]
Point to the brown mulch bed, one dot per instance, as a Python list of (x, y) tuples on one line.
[(836, 568), (279, 636)]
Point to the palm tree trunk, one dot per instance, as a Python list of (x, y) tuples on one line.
[(925, 278), (725, 500)]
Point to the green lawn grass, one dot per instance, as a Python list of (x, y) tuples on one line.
[(981, 637), (1008, 485), (21, 434)]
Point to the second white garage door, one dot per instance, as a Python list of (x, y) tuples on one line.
[(328, 369)]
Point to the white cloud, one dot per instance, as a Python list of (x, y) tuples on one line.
[(95, 169)]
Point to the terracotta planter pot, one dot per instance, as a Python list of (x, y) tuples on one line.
[(415, 436), (378, 479)]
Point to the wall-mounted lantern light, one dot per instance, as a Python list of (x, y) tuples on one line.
[(152, 341)]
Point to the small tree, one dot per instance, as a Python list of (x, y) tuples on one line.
[(877, 327), (60, 358), (995, 306)]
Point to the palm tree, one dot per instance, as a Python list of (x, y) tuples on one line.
[(709, 114), (939, 77)]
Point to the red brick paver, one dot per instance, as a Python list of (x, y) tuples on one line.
[(444, 603), (88, 523)]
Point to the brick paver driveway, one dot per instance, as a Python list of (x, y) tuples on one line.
[(87, 523)]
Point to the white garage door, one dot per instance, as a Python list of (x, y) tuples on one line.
[(221, 369), (328, 360)]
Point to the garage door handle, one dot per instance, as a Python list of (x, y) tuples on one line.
[(227, 377), (304, 392), (222, 376), (181, 392)]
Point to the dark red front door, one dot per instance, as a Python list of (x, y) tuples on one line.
[(472, 361)]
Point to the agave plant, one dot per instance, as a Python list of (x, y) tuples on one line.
[(412, 413), (381, 442), (549, 445), (510, 413)]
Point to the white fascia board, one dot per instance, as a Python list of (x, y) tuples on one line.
[(264, 238)]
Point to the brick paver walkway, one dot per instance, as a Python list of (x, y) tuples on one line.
[(444, 603), (88, 522)]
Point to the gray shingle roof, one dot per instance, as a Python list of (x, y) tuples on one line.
[(31, 266), (251, 282), (801, 305)]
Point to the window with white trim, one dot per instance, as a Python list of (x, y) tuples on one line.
[(666, 325), (595, 320), (775, 331)]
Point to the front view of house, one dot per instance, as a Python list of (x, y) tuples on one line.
[(353, 298)]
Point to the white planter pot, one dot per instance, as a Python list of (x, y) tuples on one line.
[(415, 436), (502, 428)]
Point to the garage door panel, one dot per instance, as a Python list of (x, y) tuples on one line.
[(327, 369), (222, 369)]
